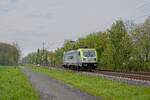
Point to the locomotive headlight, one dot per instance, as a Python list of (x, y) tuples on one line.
[(85, 64)]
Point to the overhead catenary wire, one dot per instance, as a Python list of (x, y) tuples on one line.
[(140, 17), (143, 5), (52, 44)]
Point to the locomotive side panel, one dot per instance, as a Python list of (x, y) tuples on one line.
[(71, 58)]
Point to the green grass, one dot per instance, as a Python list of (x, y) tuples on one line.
[(14, 85), (99, 86)]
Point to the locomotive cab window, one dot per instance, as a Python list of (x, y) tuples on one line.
[(79, 53), (89, 53)]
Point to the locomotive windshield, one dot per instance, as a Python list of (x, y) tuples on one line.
[(89, 53)]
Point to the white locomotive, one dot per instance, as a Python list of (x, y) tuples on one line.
[(80, 59)]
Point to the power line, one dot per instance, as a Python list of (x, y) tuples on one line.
[(49, 46), (139, 17), (140, 7), (145, 4)]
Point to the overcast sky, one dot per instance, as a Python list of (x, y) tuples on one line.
[(30, 22)]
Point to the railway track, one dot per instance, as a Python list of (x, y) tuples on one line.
[(138, 76), (143, 76)]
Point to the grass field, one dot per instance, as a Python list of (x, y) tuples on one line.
[(98, 86), (15, 86)]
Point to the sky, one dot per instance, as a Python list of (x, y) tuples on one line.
[(32, 22)]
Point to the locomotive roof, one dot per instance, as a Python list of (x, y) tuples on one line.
[(80, 49)]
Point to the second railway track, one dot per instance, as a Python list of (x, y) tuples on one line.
[(137, 76)]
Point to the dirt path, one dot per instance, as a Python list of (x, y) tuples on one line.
[(51, 89)]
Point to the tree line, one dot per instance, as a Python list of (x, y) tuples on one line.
[(9, 54), (125, 46)]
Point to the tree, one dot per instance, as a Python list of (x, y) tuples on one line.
[(38, 58), (107, 57), (146, 39), (9, 54), (121, 44), (141, 37)]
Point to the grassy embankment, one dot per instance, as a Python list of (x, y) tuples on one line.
[(99, 86), (14, 85)]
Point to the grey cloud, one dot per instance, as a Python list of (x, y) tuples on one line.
[(30, 22)]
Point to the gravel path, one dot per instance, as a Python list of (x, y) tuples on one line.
[(51, 89)]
